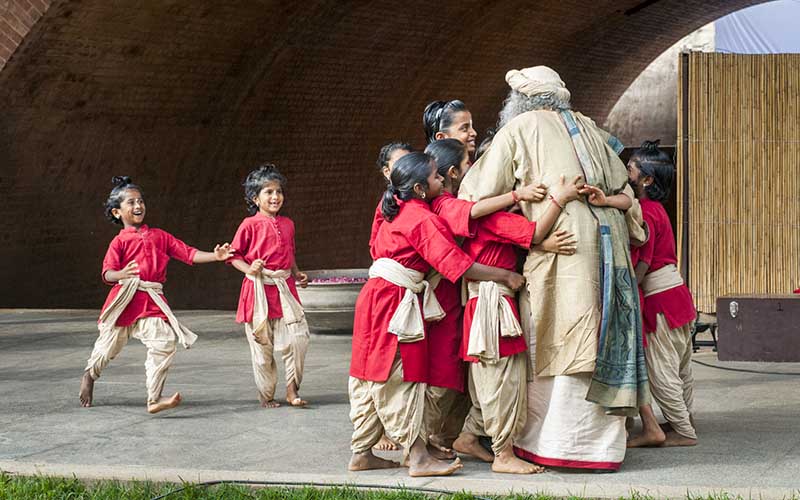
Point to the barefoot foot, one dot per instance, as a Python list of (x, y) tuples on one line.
[(675, 439), (653, 437), (87, 390), (293, 397), (468, 444), (164, 403), (506, 462), (268, 403), (441, 453), (429, 466), (368, 461), (386, 444)]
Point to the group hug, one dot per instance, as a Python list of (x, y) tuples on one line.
[(523, 298)]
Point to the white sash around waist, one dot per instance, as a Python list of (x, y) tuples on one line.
[(292, 310), (493, 318), (661, 280), (408, 321), (128, 289)]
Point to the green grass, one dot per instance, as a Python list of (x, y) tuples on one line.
[(53, 488)]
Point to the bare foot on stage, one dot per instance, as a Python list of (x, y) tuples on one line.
[(441, 453), (506, 462), (675, 439), (429, 466), (293, 397), (164, 403), (87, 390), (439, 442), (654, 437), (468, 444), (268, 403), (368, 461), (386, 444)]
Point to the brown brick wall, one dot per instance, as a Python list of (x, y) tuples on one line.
[(186, 96), (17, 17)]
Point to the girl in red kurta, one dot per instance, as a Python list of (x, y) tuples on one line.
[(447, 406), (389, 154), (269, 305), (668, 311), (389, 355), (136, 265), (497, 360)]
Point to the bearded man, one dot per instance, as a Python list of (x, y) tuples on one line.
[(581, 311)]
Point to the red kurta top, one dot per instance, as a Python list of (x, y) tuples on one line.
[(445, 366), (377, 220), (675, 304), (493, 245), (417, 239), (151, 248), (270, 239)]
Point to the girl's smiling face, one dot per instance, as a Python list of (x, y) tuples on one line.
[(270, 199), (435, 183), (131, 209), (461, 129)]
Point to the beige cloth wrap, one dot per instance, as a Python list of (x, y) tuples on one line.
[(661, 280), (394, 406), (293, 314), (128, 289), (669, 365), (493, 317), (408, 321), (539, 80), (499, 400)]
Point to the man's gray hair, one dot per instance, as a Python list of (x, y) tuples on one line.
[(518, 103)]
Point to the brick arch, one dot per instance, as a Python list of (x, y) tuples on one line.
[(185, 96)]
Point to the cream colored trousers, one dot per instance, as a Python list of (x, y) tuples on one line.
[(445, 411), (499, 400), (262, 355), (394, 406), (155, 334), (669, 365)]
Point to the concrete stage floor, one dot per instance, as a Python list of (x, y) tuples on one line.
[(747, 423)]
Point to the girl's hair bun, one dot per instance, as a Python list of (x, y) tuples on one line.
[(121, 180)]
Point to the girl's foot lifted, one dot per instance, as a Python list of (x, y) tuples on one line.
[(164, 403)]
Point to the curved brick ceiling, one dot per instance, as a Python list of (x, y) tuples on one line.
[(186, 95)]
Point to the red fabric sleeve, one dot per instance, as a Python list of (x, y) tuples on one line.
[(113, 260), (377, 220), (646, 251), (505, 227), (434, 242), (240, 243), (179, 250), (456, 213)]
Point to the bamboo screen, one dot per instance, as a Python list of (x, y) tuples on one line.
[(741, 156)]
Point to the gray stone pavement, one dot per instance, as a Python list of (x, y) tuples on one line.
[(747, 423)]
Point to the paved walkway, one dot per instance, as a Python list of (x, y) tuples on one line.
[(748, 423)]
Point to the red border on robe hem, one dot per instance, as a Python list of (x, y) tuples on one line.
[(572, 464)]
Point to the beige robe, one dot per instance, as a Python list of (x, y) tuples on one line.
[(564, 290)]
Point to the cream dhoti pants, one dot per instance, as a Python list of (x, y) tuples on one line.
[(262, 355), (445, 411), (394, 406), (669, 365), (499, 400), (155, 334)]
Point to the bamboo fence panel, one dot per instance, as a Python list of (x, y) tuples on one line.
[(743, 168)]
